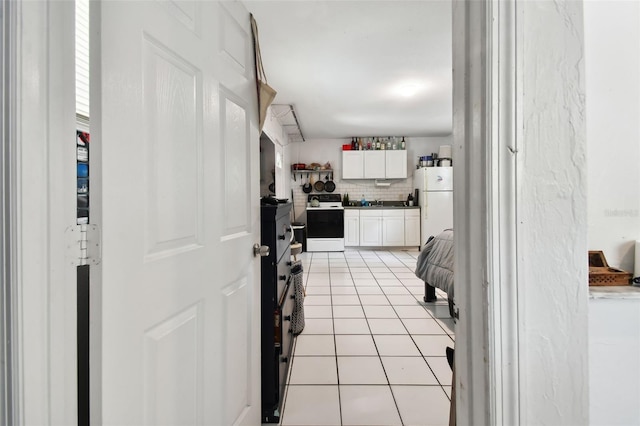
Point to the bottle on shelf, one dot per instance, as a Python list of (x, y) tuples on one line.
[(394, 144), (353, 144), (377, 143), (403, 144)]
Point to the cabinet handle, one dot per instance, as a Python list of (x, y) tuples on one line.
[(293, 296), (287, 318), (281, 237), (289, 263), (282, 277), (284, 359)]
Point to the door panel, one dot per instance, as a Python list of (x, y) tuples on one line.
[(176, 326)]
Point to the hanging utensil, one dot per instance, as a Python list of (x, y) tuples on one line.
[(330, 185), (306, 188)]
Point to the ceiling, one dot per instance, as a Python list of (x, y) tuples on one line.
[(360, 68)]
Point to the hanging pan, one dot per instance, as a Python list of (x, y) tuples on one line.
[(319, 185), (306, 188), (330, 185)]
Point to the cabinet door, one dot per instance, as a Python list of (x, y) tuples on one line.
[(412, 227), (370, 228), (396, 164), (374, 164), (352, 164), (393, 228), (351, 228)]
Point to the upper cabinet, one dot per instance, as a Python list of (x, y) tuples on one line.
[(387, 164), (374, 165), (396, 164), (352, 164)]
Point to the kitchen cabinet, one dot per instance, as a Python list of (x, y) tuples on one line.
[(377, 227), (374, 164), (370, 227), (393, 227), (396, 164), (351, 228), (352, 164), (412, 227)]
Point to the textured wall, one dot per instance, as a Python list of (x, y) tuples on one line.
[(552, 218)]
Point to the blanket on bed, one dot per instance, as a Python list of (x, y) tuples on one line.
[(435, 262)]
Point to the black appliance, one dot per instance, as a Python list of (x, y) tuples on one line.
[(277, 306)]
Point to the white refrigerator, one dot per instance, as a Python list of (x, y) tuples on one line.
[(435, 198)]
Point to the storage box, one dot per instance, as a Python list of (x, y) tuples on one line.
[(601, 274), (346, 147)]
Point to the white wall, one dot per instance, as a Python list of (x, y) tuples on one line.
[(274, 131), (612, 65), (551, 215), (330, 150)]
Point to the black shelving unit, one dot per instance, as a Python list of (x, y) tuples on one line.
[(277, 306)]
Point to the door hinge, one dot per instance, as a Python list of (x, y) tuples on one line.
[(83, 245)]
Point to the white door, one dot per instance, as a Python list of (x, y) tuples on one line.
[(438, 213), (175, 303)]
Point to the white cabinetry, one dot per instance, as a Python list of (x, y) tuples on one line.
[(374, 164), (379, 227), (351, 228), (396, 164), (412, 227), (352, 164), (370, 227), (393, 227)]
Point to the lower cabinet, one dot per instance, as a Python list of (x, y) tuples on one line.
[(412, 227), (370, 228), (382, 227), (393, 228), (351, 228)]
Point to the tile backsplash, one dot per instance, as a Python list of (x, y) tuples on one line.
[(399, 190)]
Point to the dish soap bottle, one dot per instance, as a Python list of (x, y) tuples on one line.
[(363, 202)]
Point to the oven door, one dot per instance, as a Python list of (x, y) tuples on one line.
[(325, 223)]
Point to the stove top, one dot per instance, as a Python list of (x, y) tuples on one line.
[(326, 201), (325, 198)]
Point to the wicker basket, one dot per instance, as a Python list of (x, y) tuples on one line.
[(600, 273)]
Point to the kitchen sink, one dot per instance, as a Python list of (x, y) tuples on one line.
[(382, 204)]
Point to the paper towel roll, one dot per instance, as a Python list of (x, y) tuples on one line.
[(444, 151), (636, 267)]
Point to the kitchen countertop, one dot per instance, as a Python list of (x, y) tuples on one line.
[(614, 292), (380, 207)]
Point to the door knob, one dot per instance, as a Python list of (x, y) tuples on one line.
[(259, 250)]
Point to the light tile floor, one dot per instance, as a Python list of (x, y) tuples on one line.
[(372, 352)]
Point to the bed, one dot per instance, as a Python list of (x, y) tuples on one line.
[(435, 267)]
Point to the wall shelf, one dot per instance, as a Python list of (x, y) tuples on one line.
[(294, 173)]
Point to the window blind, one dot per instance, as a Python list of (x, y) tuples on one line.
[(82, 59)]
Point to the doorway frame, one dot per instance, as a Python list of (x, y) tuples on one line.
[(486, 391), (44, 387)]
